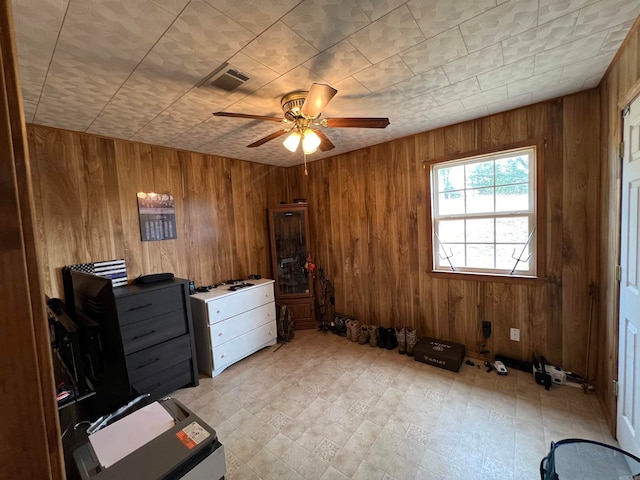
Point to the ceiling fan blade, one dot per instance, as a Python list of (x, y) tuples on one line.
[(325, 143), (356, 122), (317, 98), (268, 138), (245, 115)]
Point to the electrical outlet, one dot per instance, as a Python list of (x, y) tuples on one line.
[(515, 334)]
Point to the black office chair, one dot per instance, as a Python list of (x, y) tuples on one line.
[(576, 459)]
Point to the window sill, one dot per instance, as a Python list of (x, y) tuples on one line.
[(485, 277)]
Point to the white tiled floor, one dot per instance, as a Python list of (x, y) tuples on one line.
[(322, 407)]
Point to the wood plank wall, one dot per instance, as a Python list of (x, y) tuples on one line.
[(85, 193), (30, 433), (370, 215), (620, 85)]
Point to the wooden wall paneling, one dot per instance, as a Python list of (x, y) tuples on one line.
[(505, 316), (375, 197), (580, 196), (356, 231), (419, 178), (129, 172), (97, 156), (58, 163), (166, 255), (438, 315), (485, 313), (503, 128), (462, 137), (49, 280), (552, 190), (619, 85), (536, 321), (342, 242), (30, 434), (404, 228), (243, 223)]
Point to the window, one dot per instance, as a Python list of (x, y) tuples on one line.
[(484, 214)]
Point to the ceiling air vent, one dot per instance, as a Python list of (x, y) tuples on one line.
[(225, 77)]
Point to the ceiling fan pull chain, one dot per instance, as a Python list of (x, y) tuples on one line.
[(305, 164)]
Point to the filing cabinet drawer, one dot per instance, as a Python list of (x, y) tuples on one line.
[(230, 328), (140, 335), (135, 308), (154, 359), (165, 381), (241, 301), (236, 349)]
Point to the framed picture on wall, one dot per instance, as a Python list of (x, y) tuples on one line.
[(157, 216)]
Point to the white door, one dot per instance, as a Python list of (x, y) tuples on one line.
[(628, 421)]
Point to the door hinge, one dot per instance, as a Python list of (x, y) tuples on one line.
[(618, 273), (614, 388), (626, 110), (621, 150)]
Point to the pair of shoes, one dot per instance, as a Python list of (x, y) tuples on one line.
[(411, 341), (406, 338), (364, 334), (387, 338), (373, 335), (401, 337), (353, 329)]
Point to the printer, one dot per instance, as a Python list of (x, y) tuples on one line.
[(162, 441)]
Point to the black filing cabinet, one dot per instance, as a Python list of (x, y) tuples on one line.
[(157, 336), (136, 338)]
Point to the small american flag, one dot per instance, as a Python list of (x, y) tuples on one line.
[(116, 270)]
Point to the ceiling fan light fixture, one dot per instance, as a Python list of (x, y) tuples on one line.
[(310, 141), (292, 141)]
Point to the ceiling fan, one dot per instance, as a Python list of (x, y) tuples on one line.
[(302, 110)]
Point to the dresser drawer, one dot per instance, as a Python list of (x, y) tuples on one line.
[(165, 381), (135, 308), (230, 328), (236, 349), (154, 359), (140, 335), (241, 301)]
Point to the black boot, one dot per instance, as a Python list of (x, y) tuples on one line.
[(382, 335), (390, 341)]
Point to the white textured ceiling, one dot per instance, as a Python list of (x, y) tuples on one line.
[(129, 68)]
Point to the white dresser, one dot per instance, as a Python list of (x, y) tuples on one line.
[(230, 325)]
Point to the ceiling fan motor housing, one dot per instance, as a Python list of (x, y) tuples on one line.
[(292, 103)]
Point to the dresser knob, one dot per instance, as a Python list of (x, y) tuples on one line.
[(220, 334), (270, 332), (217, 311), (222, 356)]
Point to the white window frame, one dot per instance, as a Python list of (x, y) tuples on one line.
[(441, 264)]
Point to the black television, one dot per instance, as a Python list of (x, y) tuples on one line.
[(100, 339)]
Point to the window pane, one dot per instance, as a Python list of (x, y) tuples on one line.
[(480, 256), (451, 203), (505, 254), (512, 198), (480, 230), (480, 200), (451, 231), (512, 170), (479, 175), (512, 229), (451, 178)]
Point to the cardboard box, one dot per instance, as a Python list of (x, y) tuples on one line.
[(440, 353)]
